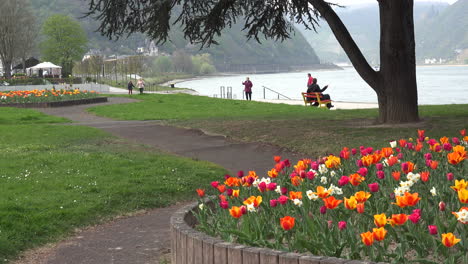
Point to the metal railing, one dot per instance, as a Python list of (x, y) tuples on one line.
[(279, 94)]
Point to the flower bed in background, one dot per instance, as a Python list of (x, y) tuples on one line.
[(41, 96), (403, 203)]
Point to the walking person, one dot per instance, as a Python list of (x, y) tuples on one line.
[(248, 89), (141, 85), (130, 87)]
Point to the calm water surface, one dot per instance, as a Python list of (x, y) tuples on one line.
[(436, 85)]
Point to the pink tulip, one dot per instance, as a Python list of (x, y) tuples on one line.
[(273, 203), (373, 187), (432, 229), (323, 209), (379, 166), (380, 174), (442, 206), (283, 199), (224, 204), (342, 225), (343, 181), (450, 176)]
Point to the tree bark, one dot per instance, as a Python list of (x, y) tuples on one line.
[(397, 91), (395, 82)]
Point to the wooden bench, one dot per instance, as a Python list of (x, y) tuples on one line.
[(315, 98)]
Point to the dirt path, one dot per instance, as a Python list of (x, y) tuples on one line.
[(144, 237)]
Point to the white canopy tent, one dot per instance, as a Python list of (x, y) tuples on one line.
[(45, 69)]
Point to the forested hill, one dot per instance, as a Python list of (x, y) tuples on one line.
[(446, 34), (440, 31), (234, 49)]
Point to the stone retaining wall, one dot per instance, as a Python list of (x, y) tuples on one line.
[(58, 104), (189, 246)]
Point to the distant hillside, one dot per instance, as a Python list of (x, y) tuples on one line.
[(363, 24), (445, 34), (233, 53)]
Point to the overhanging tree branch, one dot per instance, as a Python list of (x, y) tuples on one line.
[(347, 43)]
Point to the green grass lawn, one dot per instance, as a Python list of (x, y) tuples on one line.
[(306, 130), (55, 178)]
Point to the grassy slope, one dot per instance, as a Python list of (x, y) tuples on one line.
[(302, 129), (55, 178)]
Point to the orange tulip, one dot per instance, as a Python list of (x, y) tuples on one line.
[(387, 152), (444, 140), (433, 164), (362, 196), (350, 203), (424, 176), (407, 200), (300, 166), (360, 207), (235, 193), (449, 239), (379, 233), (232, 181), (256, 201), (295, 195), (356, 179), (398, 219), (221, 188), (322, 192), (418, 146), (273, 173), (463, 195), (331, 202), (380, 220), (201, 192), (287, 222), (460, 149), (296, 180), (332, 162), (396, 175), (235, 212), (367, 238), (392, 160), (455, 157), (277, 159)]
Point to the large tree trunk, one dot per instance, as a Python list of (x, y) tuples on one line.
[(395, 83), (397, 90), (7, 69)]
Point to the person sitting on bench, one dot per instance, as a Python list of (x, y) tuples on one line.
[(315, 88)]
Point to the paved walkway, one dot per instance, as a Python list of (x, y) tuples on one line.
[(144, 237)]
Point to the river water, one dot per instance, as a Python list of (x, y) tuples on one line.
[(436, 85)]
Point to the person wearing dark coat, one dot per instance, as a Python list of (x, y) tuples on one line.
[(130, 87), (248, 88), (315, 88)]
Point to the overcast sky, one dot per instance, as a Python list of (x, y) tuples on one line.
[(354, 2)]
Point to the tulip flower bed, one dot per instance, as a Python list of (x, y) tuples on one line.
[(39, 96), (402, 203)]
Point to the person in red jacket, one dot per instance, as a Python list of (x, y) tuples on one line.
[(310, 80), (248, 89)]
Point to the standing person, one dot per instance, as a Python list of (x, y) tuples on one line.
[(315, 88), (130, 87), (141, 85), (248, 89), (310, 80)]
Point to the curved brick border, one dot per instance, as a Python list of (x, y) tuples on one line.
[(58, 104), (189, 246)]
